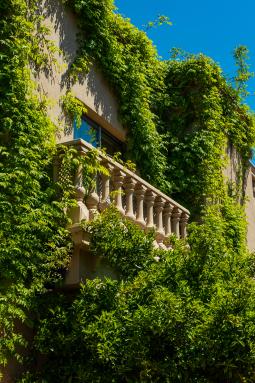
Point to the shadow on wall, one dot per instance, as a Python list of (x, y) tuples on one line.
[(91, 88), (65, 27), (14, 369)]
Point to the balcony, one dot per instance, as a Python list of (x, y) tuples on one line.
[(134, 198)]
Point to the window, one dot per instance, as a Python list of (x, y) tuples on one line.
[(98, 137), (252, 160), (253, 185)]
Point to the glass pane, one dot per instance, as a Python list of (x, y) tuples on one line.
[(91, 132), (111, 144), (252, 160), (87, 131)]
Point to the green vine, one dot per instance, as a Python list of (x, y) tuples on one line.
[(130, 63), (180, 115), (201, 117), (74, 108), (35, 245), (180, 316), (185, 315), (243, 74)]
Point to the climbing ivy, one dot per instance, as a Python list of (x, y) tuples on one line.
[(202, 117), (180, 316), (243, 74), (181, 115), (74, 108), (35, 245), (130, 63)]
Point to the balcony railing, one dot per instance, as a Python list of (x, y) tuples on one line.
[(134, 198)]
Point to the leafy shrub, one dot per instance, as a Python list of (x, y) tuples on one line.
[(124, 244), (187, 318)]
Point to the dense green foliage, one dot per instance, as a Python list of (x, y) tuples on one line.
[(121, 243), (180, 316), (202, 116), (190, 104), (129, 62), (243, 73), (73, 108), (34, 242)]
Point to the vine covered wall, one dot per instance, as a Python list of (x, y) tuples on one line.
[(180, 116), (185, 315), (35, 244), (202, 117), (129, 62)]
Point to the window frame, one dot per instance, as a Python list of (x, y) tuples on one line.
[(100, 133)]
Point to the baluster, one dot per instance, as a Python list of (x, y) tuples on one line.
[(118, 183), (160, 233), (139, 193), (129, 187), (183, 224), (167, 213), (92, 203), (150, 198), (56, 169), (105, 200), (79, 212), (175, 221)]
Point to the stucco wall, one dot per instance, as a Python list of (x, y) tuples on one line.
[(233, 174), (250, 208), (92, 89), (233, 169)]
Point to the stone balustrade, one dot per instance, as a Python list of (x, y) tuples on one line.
[(134, 198)]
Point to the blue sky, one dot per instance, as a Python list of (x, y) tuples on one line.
[(213, 27)]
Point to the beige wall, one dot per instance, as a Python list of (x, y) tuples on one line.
[(93, 90), (250, 207), (233, 174), (85, 265), (233, 170)]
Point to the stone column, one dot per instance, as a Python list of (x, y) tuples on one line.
[(79, 212), (150, 199), (167, 213), (139, 193), (92, 203), (129, 187), (183, 225), (176, 221), (105, 200), (118, 183), (160, 233)]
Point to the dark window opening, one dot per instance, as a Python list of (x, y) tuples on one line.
[(253, 186), (97, 136)]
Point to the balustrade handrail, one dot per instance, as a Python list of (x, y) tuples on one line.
[(162, 213), (85, 146)]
